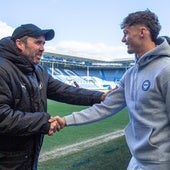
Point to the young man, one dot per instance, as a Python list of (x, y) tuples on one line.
[(24, 89), (145, 90)]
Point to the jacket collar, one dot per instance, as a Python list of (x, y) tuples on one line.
[(9, 51)]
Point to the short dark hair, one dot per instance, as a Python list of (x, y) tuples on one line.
[(147, 18)]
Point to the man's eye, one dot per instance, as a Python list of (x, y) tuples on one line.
[(40, 43)]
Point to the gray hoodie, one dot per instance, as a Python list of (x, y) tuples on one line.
[(145, 90)]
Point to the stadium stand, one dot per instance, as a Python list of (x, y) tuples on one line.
[(83, 72)]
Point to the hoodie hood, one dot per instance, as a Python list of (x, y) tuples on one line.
[(9, 51), (162, 50)]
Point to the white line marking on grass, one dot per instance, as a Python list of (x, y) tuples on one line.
[(58, 152)]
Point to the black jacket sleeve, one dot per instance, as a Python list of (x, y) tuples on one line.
[(62, 92)]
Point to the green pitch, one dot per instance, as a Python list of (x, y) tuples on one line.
[(70, 135), (113, 155)]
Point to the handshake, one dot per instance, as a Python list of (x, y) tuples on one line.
[(56, 124)]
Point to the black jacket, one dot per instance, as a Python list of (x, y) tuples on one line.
[(24, 89)]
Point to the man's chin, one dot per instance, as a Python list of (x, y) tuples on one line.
[(36, 62), (130, 52)]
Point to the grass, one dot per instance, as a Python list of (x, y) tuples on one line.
[(113, 155), (70, 135)]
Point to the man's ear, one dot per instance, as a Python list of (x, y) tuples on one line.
[(20, 45), (143, 31)]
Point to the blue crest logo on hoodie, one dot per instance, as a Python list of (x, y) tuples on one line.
[(146, 84)]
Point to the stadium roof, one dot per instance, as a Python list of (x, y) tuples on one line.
[(85, 59)]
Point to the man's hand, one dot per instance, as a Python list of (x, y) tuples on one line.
[(103, 96), (56, 124)]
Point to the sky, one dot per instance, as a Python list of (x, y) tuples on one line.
[(84, 28)]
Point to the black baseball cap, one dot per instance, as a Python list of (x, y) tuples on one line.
[(32, 30)]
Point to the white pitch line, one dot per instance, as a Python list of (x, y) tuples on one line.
[(58, 152)]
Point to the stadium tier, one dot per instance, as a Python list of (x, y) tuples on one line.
[(85, 73)]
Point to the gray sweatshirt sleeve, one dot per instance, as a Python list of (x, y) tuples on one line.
[(112, 104)]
